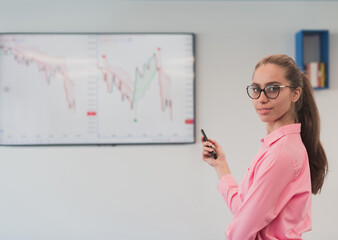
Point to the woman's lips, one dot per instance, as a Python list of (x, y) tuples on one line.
[(264, 110)]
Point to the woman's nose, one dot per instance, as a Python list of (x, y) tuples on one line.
[(263, 97)]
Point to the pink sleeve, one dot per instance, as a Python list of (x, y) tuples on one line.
[(228, 187), (263, 201)]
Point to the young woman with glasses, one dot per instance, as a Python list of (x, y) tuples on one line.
[(273, 201)]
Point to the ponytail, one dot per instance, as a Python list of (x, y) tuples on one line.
[(306, 113), (308, 116)]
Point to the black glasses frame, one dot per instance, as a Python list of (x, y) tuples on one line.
[(263, 90)]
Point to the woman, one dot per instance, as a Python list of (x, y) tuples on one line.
[(273, 201)]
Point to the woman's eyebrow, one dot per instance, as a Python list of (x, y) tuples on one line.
[(273, 83), (255, 84), (266, 84)]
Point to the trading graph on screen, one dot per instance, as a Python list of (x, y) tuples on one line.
[(96, 89)]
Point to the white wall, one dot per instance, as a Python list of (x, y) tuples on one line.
[(163, 192)]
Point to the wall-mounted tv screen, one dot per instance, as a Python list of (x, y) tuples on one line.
[(102, 88)]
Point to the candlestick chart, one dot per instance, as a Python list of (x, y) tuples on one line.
[(50, 66), (133, 90)]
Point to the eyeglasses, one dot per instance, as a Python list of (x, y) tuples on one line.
[(270, 91)]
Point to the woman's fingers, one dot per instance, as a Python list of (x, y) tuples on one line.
[(215, 143), (207, 143), (208, 149)]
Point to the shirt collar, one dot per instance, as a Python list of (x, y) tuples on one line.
[(280, 132)]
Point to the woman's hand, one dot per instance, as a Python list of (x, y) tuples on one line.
[(220, 164)]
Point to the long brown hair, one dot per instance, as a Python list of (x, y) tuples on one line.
[(306, 114)]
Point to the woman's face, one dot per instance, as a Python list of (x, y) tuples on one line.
[(275, 112)]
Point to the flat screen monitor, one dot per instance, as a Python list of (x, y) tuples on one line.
[(97, 88)]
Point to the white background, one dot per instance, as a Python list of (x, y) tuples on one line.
[(163, 192)]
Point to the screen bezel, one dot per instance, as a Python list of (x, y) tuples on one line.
[(193, 35)]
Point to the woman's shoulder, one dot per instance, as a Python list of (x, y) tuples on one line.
[(288, 151)]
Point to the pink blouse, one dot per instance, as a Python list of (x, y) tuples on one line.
[(273, 201)]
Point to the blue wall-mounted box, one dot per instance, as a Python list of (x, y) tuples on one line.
[(312, 46)]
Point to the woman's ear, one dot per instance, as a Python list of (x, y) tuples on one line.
[(296, 94)]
